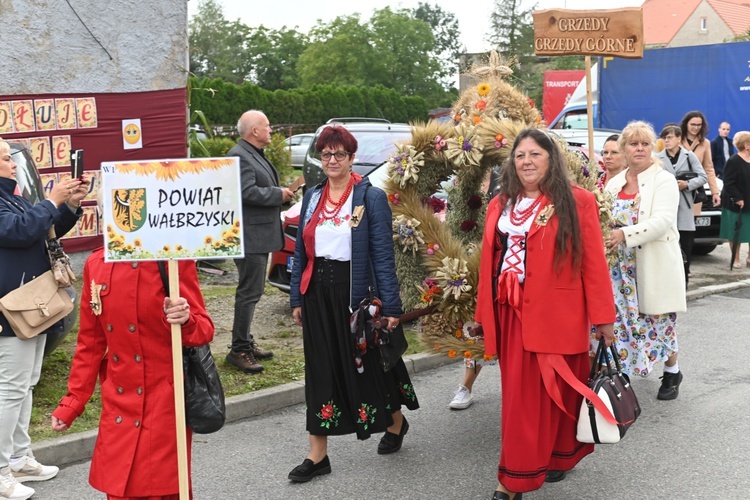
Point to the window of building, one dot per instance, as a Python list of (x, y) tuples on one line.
[(704, 22)]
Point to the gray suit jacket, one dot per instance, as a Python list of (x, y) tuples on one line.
[(261, 201), (685, 219)]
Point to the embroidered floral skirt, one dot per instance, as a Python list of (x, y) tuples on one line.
[(339, 399), (642, 339)]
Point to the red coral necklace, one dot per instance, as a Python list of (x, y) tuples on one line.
[(330, 213), (519, 217)]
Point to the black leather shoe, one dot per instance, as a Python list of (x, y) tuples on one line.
[(244, 361), (390, 442), (670, 386), (260, 353), (501, 495), (554, 476), (308, 470)]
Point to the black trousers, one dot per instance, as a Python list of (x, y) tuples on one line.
[(686, 245), (250, 286)]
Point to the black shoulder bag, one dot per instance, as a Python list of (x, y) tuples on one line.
[(370, 329), (205, 409)]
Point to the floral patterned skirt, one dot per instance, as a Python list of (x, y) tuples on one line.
[(339, 399)]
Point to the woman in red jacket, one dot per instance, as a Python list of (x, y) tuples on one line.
[(125, 340), (543, 281)]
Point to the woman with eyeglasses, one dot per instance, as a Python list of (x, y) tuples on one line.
[(694, 129), (614, 161), (344, 246)]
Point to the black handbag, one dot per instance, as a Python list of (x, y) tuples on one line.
[(613, 388), (699, 195), (370, 331), (205, 408)]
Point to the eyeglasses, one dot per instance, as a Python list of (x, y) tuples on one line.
[(339, 155)]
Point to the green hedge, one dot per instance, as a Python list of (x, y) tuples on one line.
[(225, 102)]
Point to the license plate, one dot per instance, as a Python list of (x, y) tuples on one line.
[(703, 221), (290, 263)]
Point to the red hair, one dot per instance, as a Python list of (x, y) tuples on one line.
[(335, 135)]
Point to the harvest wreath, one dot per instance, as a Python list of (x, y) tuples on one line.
[(437, 261)]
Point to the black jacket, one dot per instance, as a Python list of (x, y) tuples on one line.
[(23, 236), (736, 184)]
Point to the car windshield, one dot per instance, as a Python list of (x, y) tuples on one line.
[(26, 175), (375, 146)]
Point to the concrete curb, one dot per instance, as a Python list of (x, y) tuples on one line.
[(77, 447)]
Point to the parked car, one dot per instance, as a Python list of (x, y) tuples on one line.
[(298, 145), (30, 187), (376, 140)]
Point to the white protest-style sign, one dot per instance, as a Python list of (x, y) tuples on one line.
[(132, 134), (172, 209)]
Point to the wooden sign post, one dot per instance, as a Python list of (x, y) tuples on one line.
[(615, 32), (172, 210)]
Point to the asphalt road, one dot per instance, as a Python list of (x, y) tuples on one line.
[(694, 447)]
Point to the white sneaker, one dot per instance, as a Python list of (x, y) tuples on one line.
[(11, 489), (462, 399), (28, 469)]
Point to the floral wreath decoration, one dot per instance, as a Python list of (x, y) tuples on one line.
[(437, 261)]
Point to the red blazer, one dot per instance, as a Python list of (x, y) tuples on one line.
[(129, 347), (558, 308)]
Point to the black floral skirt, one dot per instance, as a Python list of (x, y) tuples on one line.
[(340, 400)]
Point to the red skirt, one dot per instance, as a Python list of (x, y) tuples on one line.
[(536, 435)]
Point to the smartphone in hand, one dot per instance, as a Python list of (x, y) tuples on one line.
[(76, 163)]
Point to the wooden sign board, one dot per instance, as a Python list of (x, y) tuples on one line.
[(615, 32), (172, 209)]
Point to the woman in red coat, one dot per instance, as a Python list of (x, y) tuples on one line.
[(543, 281), (125, 339)]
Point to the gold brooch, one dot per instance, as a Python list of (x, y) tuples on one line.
[(357, 216), (96, 300), (545, 215)]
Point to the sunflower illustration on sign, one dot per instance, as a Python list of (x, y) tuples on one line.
[(129, 208)]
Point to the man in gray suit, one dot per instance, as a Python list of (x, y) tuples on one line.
[(262, 198)]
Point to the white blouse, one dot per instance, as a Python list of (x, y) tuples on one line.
[(333, 237)]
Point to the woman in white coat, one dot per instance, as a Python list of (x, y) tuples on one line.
[(688, 171), (648, 277)]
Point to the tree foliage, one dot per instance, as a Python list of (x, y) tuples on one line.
[(414, 52), (223, 103), (447, 48)]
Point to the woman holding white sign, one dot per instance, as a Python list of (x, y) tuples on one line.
[(125, 341), (345, 247)]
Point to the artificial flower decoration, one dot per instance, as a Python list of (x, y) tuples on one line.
[(480, 105), (474, 202), (451, 353), (477, 119), (405, 163), (465, 148), (439, 142), (453, 273), (483, 89), (428, 290), (394, 198), (436, 204), (545, 215), (468, 225), (500, 140), (406, 233)]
